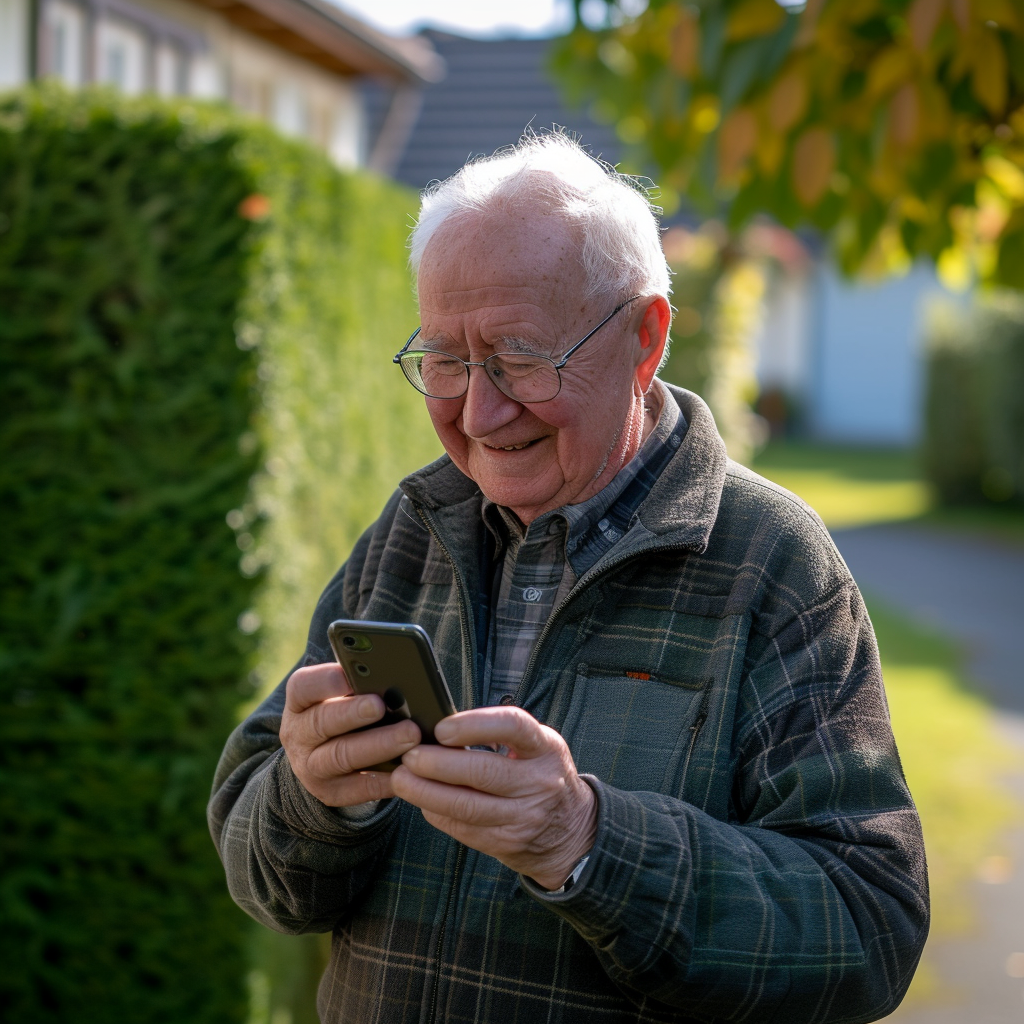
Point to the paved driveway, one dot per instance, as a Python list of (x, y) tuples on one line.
[(970, 589), (973, 591)]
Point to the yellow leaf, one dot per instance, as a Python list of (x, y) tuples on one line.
[(808, 29), (787, 102), (814, 160), (770, 150), (922, 19), (954, 268), (686, 45), (962, 13), (736, 141), (1003, 12), (991, 73), (935, 112), (1007, 176), (704, 114), (905, 117), (891, 68), (754, 18)]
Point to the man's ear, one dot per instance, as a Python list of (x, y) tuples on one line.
[(653, 335)]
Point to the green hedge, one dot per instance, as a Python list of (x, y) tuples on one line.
[(196, 320), (974, 403)]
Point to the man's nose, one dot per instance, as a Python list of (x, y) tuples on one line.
[(485, 407)]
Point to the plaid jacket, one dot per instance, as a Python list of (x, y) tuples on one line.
[(758, 855)]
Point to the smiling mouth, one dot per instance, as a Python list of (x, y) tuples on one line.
[(509, 447)]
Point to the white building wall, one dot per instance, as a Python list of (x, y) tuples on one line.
[(867, 366), (175, 47), (782, 344), (121, 56), (14, 42)]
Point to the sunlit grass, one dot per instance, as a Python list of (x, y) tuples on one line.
[(860, 486)]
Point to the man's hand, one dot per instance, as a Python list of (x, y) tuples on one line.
[(320, 712), (530, 809)]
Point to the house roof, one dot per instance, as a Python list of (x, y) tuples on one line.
[(321, 33), (493, 90)]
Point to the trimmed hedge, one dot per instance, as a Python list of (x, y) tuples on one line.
[(974, 401), (196, 320)]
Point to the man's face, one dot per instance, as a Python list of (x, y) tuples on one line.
[(512, 282)]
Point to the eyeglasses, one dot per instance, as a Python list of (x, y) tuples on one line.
[(523, 376)]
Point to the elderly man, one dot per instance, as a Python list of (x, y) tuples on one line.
[(697, 811)]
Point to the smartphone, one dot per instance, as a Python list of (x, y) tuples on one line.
[(397, 662)]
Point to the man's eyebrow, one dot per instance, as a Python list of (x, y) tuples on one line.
[(430, 339), (514, 343)]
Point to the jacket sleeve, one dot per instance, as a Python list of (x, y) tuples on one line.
[(292, 862), (810, 902)]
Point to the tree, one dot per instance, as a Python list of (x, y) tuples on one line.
[(895, 127)]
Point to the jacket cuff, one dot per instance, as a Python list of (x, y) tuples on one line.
[(622, 870), (304, 815)]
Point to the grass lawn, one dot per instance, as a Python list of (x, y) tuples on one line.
[(953, 757), (858, 486)]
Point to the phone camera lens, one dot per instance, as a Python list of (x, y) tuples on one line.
[(348, 641), (362, 669)]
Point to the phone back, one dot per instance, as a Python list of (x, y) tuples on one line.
[(396, 661)]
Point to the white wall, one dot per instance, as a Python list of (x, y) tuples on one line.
[(782, 344), (121, 56), (866, 364), (176, 46), (14, 37)]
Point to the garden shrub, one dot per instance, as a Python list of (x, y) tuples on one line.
[(974, 400), (199, 415)]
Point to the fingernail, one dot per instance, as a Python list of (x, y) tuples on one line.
[(442, 732), (369, 709)]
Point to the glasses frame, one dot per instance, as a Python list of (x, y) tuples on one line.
[(468, 363)]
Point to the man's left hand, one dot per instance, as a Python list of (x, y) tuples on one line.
[(530, 809)]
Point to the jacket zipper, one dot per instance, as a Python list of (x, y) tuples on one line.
[(698, 724), (460, 857), (467, 640)]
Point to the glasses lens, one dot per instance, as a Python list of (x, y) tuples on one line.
[(524, 378), (436, 374)]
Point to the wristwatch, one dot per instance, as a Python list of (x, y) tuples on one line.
[(573, 878)]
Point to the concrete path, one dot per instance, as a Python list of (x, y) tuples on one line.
[(968, 588), (973, 591)]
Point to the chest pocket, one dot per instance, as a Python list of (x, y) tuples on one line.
[(631, 730)]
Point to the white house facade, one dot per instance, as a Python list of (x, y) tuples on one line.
[(293, 63)]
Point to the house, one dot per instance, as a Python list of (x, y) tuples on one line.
[(294, 63), (845, 354), (492, 90)]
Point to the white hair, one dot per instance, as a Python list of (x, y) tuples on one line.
[(620, 242)]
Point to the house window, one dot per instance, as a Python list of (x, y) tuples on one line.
[(291, 109), (171, 76), (66, 27), (121, 53), (347, 130)]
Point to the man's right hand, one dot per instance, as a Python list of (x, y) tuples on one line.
[(317, 731)]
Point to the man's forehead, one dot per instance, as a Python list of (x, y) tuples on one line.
[(525, 258)]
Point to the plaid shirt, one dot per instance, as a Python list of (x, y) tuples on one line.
[(543, 563), (758, 856)]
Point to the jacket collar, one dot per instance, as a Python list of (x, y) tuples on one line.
[(680, 511)]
